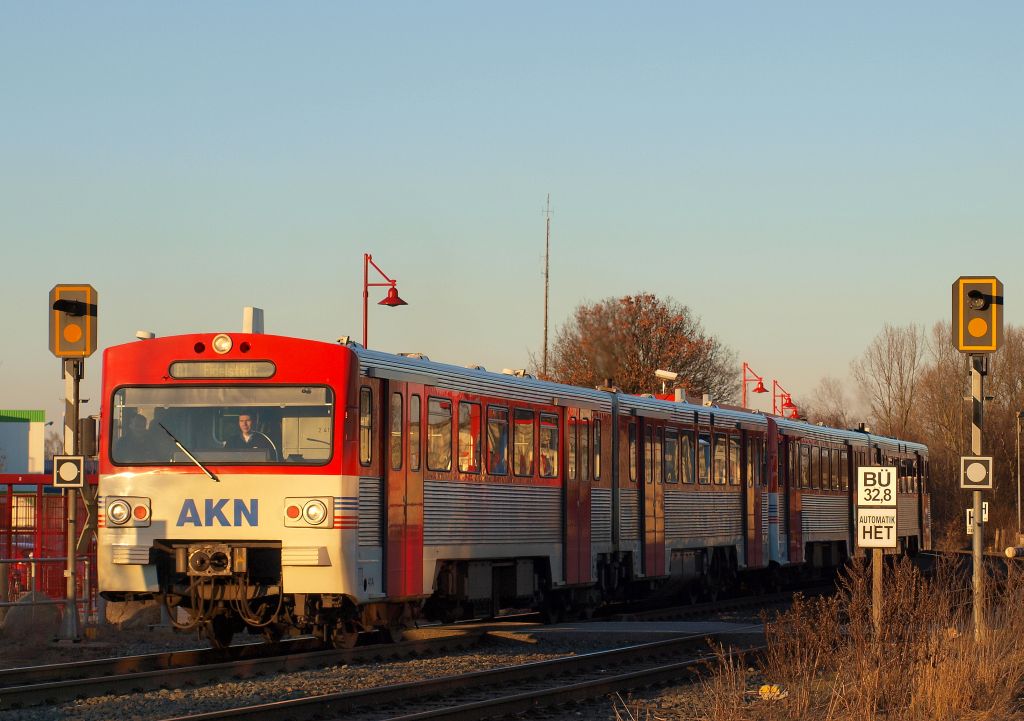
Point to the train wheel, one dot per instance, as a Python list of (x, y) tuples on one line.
[(344, 636), (272, 633), (393, 634), (220, 630)]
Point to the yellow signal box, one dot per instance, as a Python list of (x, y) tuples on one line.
[(977, 314)]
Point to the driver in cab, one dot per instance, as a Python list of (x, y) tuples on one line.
[(247, 437)]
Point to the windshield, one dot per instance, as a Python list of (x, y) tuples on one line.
[(236, 425)]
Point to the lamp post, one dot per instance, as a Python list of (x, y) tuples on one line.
[(391, 300), (782, 401), (759, 388)]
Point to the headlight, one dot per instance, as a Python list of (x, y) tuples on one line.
[(119, 512), (315, 512), (221, 343)]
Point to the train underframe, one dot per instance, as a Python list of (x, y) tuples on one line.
[(224, 589)]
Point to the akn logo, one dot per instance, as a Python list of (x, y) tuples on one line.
[(215, 512)]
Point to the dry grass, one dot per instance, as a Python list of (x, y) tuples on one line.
[(925, 665)]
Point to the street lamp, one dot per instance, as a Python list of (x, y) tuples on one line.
[(782, 401), (759, 388), (390, 300)]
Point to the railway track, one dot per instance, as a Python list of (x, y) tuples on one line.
[(56, 683), (715, 608), (493, 693)]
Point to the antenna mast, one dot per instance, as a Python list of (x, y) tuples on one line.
[(547, 256)]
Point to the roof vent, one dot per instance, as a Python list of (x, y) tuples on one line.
[(474, 367), (417, 356), (517, 372), (145, 334), (680, 395), (707, 400)]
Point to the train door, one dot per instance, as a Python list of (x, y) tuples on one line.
[(797, 475), (778, 496), (577, 496), (653, 499), (753, 486), (403, 468)]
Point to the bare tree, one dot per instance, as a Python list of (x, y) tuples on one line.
[(829, 404), (53, 444), (888, 373), (626, 339)]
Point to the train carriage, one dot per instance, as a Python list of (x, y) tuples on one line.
[(281, 485)]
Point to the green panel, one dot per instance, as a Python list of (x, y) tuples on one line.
[(22, 416)]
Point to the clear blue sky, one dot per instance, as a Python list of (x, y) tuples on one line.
[(797, 173)]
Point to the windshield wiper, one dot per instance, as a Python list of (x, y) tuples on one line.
[(187, 453)]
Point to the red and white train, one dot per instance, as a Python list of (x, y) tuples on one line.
[(380, 487)]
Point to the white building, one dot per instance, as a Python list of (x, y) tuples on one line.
[(22, 441)]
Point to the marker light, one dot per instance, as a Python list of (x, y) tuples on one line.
[(119, 512), (293, 511), (221, 343), (315, 512), (141, 513)]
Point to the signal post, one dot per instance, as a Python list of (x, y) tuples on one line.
[(73, 333), (876, 526), (977, 332)]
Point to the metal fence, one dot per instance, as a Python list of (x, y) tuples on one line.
[(33, 543)]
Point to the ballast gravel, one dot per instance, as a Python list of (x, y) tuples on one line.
[(170, 703)]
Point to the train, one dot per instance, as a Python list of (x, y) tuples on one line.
[(280, 486)]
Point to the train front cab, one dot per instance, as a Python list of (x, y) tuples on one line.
[(261, 536)]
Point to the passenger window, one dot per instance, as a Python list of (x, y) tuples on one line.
[(548, 445), (396, 431), (571, 451), (597, 449), (721, 459), (844, 478), (632, 452), (497, 441), (704, 458), (671, 456), (365, 425), (805, 466), (469, 437), (522, 440), (584, 450), (414, 432), (648, 453), (686, 456), (734, 460), (439, 434), (754, 462), (659, 455)]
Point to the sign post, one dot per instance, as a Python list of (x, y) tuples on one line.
[(977, 331), (876, 525), (73, 333)]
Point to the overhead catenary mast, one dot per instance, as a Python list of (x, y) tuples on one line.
[(547, 256)]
